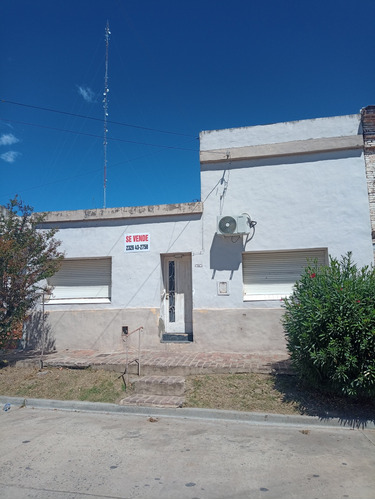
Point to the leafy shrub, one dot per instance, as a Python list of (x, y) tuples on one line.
[(27, 257), (330, 327)]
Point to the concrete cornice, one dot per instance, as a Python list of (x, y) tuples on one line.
[(307, 146), (125, 212)]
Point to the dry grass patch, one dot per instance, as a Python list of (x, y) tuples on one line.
[(249, 392), (281, 394), (62, 383), (242, 392)]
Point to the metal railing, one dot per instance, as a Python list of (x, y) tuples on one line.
[(125, 339)]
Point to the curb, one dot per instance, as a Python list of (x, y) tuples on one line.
[(191, 413)]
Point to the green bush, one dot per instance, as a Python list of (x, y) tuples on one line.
[(330, 327)]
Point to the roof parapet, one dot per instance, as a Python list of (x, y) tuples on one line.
[(125, 212)]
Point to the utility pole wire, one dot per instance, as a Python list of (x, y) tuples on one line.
[(99, 136), (75, 115)]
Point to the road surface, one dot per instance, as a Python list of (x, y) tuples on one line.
[(64, 454)]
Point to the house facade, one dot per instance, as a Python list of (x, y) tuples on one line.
[(210, 275)]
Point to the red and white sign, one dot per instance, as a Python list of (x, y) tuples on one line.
[(139, 242)]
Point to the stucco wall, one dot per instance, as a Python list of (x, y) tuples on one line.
[(316, 200), (223, 330), (299, 201), (135, 276), (336, 126)]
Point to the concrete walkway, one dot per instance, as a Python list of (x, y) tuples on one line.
[(160, 362)]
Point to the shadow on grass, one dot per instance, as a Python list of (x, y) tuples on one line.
[(355, 413), (10, 357)]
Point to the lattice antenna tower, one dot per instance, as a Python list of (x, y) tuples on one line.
[(105, 107)]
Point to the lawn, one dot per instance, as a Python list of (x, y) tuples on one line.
[(249, 392)]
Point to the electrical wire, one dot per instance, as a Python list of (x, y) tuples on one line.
[(98, 136), (40, 108), (112, 167), (109, 138)]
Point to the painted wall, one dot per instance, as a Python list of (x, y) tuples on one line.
[(336, 126), (136, 277), (317, 199), (310, 200)]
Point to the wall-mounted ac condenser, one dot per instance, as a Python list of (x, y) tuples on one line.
[(229, 225)]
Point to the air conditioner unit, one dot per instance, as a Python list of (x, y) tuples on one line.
[(229, 225)]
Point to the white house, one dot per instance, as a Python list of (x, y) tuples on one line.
[(210, 275)]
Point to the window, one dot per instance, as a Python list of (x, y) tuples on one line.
[(271, 275), (81, 281)]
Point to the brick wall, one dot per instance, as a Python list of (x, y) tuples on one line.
[(368, 124)]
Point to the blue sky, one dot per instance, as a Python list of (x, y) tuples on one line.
[(176, 68)]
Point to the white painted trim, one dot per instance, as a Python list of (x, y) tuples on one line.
[(78, 301), (250, 298)]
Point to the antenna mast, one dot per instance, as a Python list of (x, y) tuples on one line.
[(105, 106)]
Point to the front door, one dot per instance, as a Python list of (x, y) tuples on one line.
[(177, 304)]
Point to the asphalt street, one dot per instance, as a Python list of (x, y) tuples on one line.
[(49, 453)]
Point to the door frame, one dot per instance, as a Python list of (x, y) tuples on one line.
[(176, 272)]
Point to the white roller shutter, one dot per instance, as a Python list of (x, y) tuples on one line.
[(271, 275), (86, 279)]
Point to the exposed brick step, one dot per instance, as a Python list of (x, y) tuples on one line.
[(159, 385), (153, 390)]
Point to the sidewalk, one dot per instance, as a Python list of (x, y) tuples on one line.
[(156, 362)]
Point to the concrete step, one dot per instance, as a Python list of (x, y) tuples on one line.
[(176, 369), (159, 385), (177, 338), (153, 400)]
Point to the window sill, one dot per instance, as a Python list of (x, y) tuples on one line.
[(77, 301), (252, 298)]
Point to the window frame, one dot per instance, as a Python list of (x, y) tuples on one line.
[(283, 258), (101, 281)]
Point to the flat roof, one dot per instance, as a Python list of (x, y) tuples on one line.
[(195, 207)]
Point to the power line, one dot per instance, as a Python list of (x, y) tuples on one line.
[(99, 136), (40, 108), (87, 172)]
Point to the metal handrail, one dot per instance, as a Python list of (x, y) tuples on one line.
[(125, 337)]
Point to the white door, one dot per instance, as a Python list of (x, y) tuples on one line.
[(177, 302)]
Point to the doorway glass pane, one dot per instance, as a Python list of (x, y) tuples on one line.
[(172, 290)]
